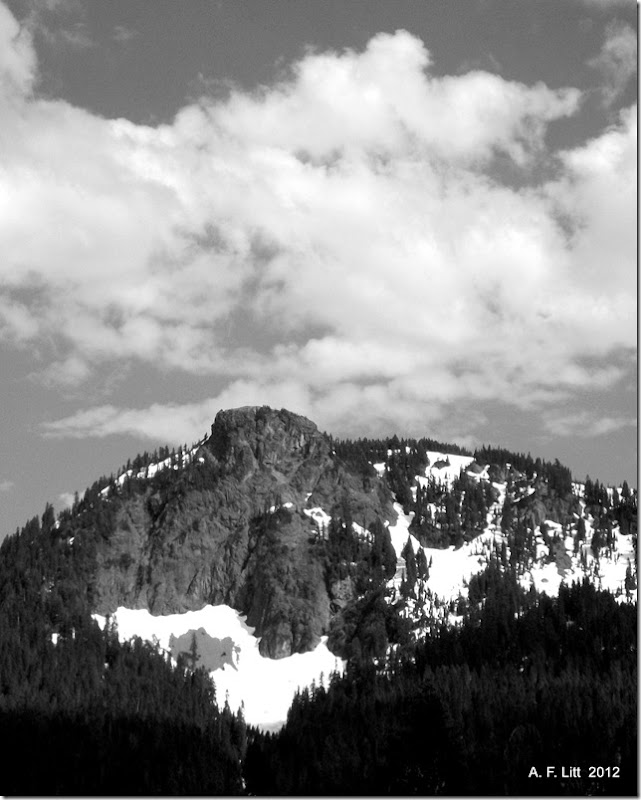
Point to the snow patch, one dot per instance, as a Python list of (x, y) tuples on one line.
[(182, 459), (263, 687), (446, 467), (320, 517), (400, 531)]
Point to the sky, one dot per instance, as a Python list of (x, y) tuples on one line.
[(411, 217)]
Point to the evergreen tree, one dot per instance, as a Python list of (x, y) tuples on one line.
[(421, 564), (411, 573), (507, 515)]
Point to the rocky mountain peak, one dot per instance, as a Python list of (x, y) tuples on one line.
[(235, 526), (244, 440)]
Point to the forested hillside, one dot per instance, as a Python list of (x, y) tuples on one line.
[(98, 716), (482, 605), (526, 681)]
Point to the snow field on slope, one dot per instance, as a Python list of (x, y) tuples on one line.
[(446, 473), (451, 568), (265, 687), (185, 457), (443, 467)]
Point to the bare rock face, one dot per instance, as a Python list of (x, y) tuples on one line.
[(231, 529), (288, 447)]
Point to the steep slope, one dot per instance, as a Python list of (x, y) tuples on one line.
[(407, 581), (230, 528), (337, 550), (546, 539)]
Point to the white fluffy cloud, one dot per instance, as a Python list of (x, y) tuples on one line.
[(17, 57), (586, 424), (349, 222), (597, 191), (617, 60), (343, 408)]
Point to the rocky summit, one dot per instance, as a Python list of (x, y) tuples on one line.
[(231, 528), (272, 611)]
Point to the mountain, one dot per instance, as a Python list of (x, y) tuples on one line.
[(231, 528), (273, 556)]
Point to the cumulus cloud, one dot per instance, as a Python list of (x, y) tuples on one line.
[(342, 409), (336, 242), (6, 486), (169, 422), (17, 57), (617, 60), (586, 425), (598, 191), (177, 423)]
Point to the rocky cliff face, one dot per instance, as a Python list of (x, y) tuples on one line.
[(232, 529)]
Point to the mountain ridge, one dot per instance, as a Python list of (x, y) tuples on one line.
[(293, 529), (210, 536), (270, 574)]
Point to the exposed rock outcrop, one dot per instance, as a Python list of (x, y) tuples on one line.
[(231, 529)]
